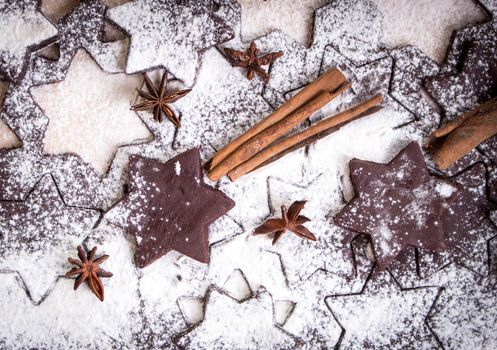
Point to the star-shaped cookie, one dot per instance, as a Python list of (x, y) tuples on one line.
[(232, 323), (81, 114), (170, 34), (383, 316), (23, 29), (39, 233), (398, 204), (169, 207), (469, 77)]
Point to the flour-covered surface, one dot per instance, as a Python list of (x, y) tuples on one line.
[(170, 34), (301, 257), (170, 301), (295, 18), (223, 104)]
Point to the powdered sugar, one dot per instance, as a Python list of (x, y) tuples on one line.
[(149, 306)]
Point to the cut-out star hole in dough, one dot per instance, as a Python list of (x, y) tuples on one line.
[(426, 24), (89, 112)]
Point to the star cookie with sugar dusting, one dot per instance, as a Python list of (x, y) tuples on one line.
[(237, 324), (38, 233), (469, 76), (169, 207), (398, 204), (169, 33), (76, 116), (23, 29), (384, 316)]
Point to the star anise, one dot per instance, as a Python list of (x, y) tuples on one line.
[(250, 60), (157, 100), (88, 269), (291, 220)]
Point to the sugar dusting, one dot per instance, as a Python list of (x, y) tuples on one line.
[(149, 306)]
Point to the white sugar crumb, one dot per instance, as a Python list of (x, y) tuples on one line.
[(426, 24), (177, 168), (445, 190)]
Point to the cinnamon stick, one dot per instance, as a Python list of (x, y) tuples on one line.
[(330, 81), (460, 136), (272, 133), (320, 127)]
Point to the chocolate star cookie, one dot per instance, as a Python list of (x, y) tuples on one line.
[(169, 207), (398, 204), (170, 33)]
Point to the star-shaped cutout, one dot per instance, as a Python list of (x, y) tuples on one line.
[(353, 27), (384, 316), (230, 322), (170, 34), (302, 257), (311, 319), (238, 253), (23, 29), (465, 312), (62, 308), (175, 277), (426, 24), (169, 207), (81, 115), (222, 106), (411, 68), (398, 204), (39, 233), (8, 139)]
